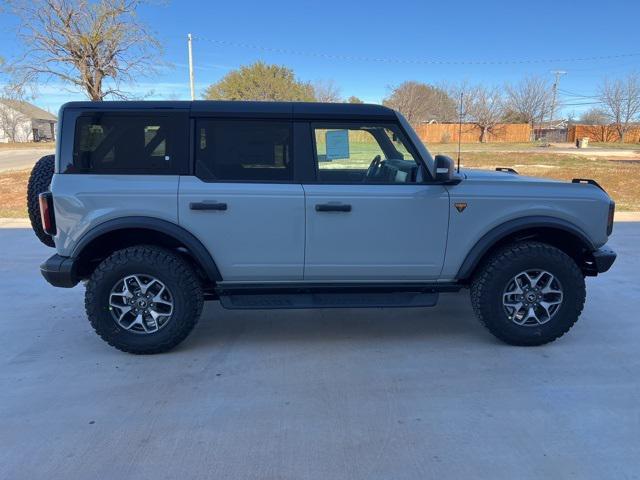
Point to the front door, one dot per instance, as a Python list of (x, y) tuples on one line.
[(369, 216), (242, 204)]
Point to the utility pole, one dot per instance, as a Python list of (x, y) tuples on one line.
[(193, 93), (558, 74)]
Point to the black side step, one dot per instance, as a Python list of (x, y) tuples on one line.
[(328, 300), (336, 295)]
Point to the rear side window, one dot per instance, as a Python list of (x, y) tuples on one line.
[(243, 151), (134, 144)]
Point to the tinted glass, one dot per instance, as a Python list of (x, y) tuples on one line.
[(237, 150), (114, 143), (363, 154)]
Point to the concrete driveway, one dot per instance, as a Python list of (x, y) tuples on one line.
[(335, 394), (21, 159)]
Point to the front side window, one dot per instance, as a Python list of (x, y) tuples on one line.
[(243, 151), (363, 154), (115, 143)]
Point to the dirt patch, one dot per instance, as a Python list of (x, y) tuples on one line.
[(28, 145), (13, 193)]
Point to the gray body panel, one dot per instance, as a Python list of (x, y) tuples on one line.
[(272, 232), (393, 232), (259, 237), (83, 202), (494, 198)]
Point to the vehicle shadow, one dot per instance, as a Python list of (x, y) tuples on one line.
[(452, 318)]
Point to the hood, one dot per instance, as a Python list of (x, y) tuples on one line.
[(492, 175)]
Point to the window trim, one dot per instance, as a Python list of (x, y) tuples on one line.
[(313, 125), (240, 120)]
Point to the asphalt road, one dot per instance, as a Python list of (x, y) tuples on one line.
[(22, 158), (335, 394)]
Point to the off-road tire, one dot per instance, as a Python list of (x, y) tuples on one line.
[(490, 281), (39, 181), (169, 268)]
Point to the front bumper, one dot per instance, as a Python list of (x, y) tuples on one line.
[(60, 271), (600, 261)]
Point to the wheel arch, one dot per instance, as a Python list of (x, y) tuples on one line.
[(112, 235), (555, 231)]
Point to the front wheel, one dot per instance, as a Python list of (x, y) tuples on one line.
[(143, 299), (528, 293)]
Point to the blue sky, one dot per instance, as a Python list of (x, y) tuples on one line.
[(412, 33)]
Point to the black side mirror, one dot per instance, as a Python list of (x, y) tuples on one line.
[(445, 169)]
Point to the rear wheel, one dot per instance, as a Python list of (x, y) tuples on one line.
[(143, 300), (39, 182), (528, 293)]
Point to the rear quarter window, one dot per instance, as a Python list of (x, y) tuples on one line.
[(115, 143)]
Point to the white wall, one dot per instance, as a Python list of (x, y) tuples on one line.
[(9, 117)]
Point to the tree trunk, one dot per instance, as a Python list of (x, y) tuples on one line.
[(621, 132), (483, 134)]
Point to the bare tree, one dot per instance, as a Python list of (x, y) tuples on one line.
[(96, 46), (594, 116), (484, 108), (530, 99), (621, 101), (420, 102), (327, 91)]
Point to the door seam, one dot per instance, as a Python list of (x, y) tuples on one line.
[(304, 245)]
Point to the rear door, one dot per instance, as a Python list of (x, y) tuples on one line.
[(370, 215), (242, 202)]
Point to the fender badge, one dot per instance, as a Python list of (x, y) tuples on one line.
[(460, 206)]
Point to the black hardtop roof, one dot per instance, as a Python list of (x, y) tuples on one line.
[(249, 109)]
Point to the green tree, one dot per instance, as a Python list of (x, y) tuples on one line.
[(263, 82), (354, 99)]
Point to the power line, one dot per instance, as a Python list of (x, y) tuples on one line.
[(573, 94), (580, 104), (329, 56)]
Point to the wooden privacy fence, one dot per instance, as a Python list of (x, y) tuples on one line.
[(603, 133), (448, 132)]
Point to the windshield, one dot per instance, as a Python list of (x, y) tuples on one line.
[(422, 149)]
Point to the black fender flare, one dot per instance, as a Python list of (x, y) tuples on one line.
[(510, 227), (195, 246)]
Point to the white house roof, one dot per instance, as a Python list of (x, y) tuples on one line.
[(29, 110)]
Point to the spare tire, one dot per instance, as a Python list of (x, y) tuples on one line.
[(39, 182)]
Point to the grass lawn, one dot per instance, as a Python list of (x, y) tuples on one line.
[(621, 146), (448, 148)]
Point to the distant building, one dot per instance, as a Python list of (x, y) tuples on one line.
[(23, 122)]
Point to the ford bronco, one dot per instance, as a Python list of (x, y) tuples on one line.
[(159, 206)]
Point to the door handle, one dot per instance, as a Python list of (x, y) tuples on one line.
[(333, 207), (207, 206)]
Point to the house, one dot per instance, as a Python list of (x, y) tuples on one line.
[(23, 122)]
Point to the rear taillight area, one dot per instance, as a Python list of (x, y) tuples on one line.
[(46, 213), (612, 212)]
